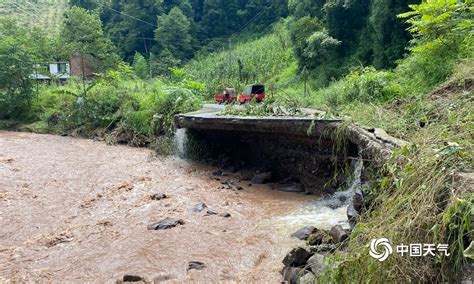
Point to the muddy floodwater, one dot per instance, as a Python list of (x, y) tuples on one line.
[(77, 210)]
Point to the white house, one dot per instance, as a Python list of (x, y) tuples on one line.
[(52, 71)]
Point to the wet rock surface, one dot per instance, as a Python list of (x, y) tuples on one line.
[(132, 278), (338, 234), (197, 265), (304, 233), (292, 275), (297, 187), (316, 263), (211, 212), (199, 207), (261, 178), (297, 257), (158, 196), (165, 224)]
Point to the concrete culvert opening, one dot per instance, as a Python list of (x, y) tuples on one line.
[(293, 162)]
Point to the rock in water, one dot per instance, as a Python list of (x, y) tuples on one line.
[(196, 265), (211, 212), (158, 196), (358, 200), (316, 264), (338, 234), (296, 257), (262, 178), (352, 215), (164, 224), (132, 278), (291, 275), (225, 215), (291, 188), (304, 232), (199, 207)]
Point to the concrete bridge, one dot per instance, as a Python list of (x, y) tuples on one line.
[(304, 147)]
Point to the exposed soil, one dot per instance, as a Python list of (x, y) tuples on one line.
[(78, 210)]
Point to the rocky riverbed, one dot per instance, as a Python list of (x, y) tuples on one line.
[(79, 210)]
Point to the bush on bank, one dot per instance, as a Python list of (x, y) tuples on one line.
[(117, 102)]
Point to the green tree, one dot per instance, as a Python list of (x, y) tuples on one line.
[(82, 33), (165, 61), (446, 22), (173, 34), (16, 66), (140, 66), (300, 31), (133, 30)]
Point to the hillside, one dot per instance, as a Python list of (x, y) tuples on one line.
[(45, 14)]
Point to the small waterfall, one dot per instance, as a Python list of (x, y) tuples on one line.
[(180, 138), (328, 211), (358, 165), (342, 198)]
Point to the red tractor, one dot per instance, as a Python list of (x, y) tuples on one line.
[(250, 92), (228, 96)]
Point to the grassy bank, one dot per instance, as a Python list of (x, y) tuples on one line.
[(118, 107)]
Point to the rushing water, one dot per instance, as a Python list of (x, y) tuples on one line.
[(78, 210), (180, 139)]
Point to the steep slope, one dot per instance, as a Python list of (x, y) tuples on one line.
[(45, 14)]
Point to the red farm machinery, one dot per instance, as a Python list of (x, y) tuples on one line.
[(251, 92)]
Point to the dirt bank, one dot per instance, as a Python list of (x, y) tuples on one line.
[(78, 210)]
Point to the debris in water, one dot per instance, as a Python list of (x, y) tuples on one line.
[(199, 207), (196, 265), (164, 224)]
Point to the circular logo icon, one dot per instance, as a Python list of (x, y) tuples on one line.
[(380, 249)]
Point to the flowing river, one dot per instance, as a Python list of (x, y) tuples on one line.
[(77, 210)]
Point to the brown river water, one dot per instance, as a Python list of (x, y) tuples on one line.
[(75, 210)]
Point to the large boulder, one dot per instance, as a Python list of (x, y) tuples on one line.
[(296, 257), (303, 233), (338, 234), (316, 264), (319, 237), (292, 275)]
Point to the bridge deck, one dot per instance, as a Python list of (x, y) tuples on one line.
[(209, 118)]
